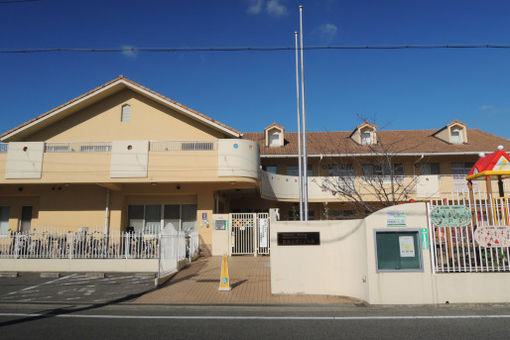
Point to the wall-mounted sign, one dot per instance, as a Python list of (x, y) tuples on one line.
[(396, 218), (493, 237), (299, 239), (221, 224), (263, 231), (406, 244), (450, 216)]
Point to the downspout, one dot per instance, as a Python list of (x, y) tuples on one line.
[(107, 213)]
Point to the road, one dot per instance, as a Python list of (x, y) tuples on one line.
[(128, 321)]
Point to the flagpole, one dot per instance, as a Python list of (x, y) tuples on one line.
[(303, 112), (300, 159)]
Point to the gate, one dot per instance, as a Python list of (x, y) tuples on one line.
[(249, 233)]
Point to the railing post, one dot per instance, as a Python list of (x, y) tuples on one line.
[(71, 246), (16, 246), (255, 234), (126, 245)]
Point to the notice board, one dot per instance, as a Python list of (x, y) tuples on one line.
[(398, 250)]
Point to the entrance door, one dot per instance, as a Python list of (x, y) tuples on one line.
[(26, 219)]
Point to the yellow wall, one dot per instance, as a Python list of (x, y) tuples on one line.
[(101, 122)]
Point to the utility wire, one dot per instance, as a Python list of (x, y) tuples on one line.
[(250, 49), (15, 1)]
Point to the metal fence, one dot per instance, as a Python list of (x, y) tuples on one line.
[(455, 249), (92, 243)]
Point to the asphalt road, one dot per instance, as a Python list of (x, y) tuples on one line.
[(128, 321), (74, 287)]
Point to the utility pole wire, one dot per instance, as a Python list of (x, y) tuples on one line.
[(250, 49)]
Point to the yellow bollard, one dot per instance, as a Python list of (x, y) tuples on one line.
[(224, 279)]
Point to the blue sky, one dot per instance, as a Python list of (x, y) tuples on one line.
[(410, 89)]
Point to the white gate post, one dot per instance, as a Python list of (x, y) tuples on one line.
[(255, 231), (230, 235)]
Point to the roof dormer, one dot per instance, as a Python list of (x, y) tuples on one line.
[(365, 134), (453, 133), (274, 135)]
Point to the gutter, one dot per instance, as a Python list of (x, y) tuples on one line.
[(374, 154)]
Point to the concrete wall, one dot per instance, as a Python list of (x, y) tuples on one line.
[(345, 264)]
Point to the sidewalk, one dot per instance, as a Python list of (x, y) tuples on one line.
[(250, 283)]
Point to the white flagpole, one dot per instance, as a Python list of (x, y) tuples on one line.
[(300, 159), (303, 111)]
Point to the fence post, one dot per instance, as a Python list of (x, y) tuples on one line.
[(126, 245), (71, 246), (255, 234), (16, 246)]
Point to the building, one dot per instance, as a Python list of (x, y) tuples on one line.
[(122, 156), (426, 164)]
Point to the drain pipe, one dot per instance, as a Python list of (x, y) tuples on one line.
[(107, 213)]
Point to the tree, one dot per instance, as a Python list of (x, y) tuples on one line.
[(382, 181)]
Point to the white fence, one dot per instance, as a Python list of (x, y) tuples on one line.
[(455, 249), (92, 243)]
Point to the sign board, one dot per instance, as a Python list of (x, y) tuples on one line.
[(450, 216), (299, 239), (396, 218), (406, 244), (220, 221), (424, 238), (263, 239), (493, 237)]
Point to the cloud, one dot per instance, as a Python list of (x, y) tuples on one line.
[(255, 7), (487, 108), (328, 32), (128, 51), (275, 8)]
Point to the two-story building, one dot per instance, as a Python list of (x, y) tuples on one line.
[(121, 156)]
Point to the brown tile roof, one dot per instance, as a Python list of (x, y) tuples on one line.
[(120, 77), (398, 141)]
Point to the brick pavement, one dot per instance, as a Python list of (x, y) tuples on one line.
[(250, 282)]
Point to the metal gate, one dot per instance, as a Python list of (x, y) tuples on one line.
[(249, 233)]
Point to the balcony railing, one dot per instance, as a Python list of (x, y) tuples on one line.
[(78, 147), (161, 146), (3, 147)]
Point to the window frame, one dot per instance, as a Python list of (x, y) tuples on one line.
[(125, 115)]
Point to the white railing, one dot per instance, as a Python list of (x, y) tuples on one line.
[(193, 245), (455, 249), (3, 147), (91, 243), (161, 146), (78, 147)]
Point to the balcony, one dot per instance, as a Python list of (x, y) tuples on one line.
[(129, 161), (285, 188)]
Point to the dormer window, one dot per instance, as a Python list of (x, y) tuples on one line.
[(364, 134), (126, 113), (454, 133), (274, 135), (367, 137)]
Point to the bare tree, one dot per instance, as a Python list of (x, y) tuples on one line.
[(382, 181)]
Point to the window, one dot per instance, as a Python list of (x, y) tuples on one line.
[(274, 138), (126, 113), (456, 136), (148, 218), (340, 170), (459, 172), (271, 169), (375, 170), (430, 169), (293, 170), (367, 137), (4, 220)]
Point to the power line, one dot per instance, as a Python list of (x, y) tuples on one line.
[(250, 49), (16, 1)]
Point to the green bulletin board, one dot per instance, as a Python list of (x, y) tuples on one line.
[(398, 250)]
